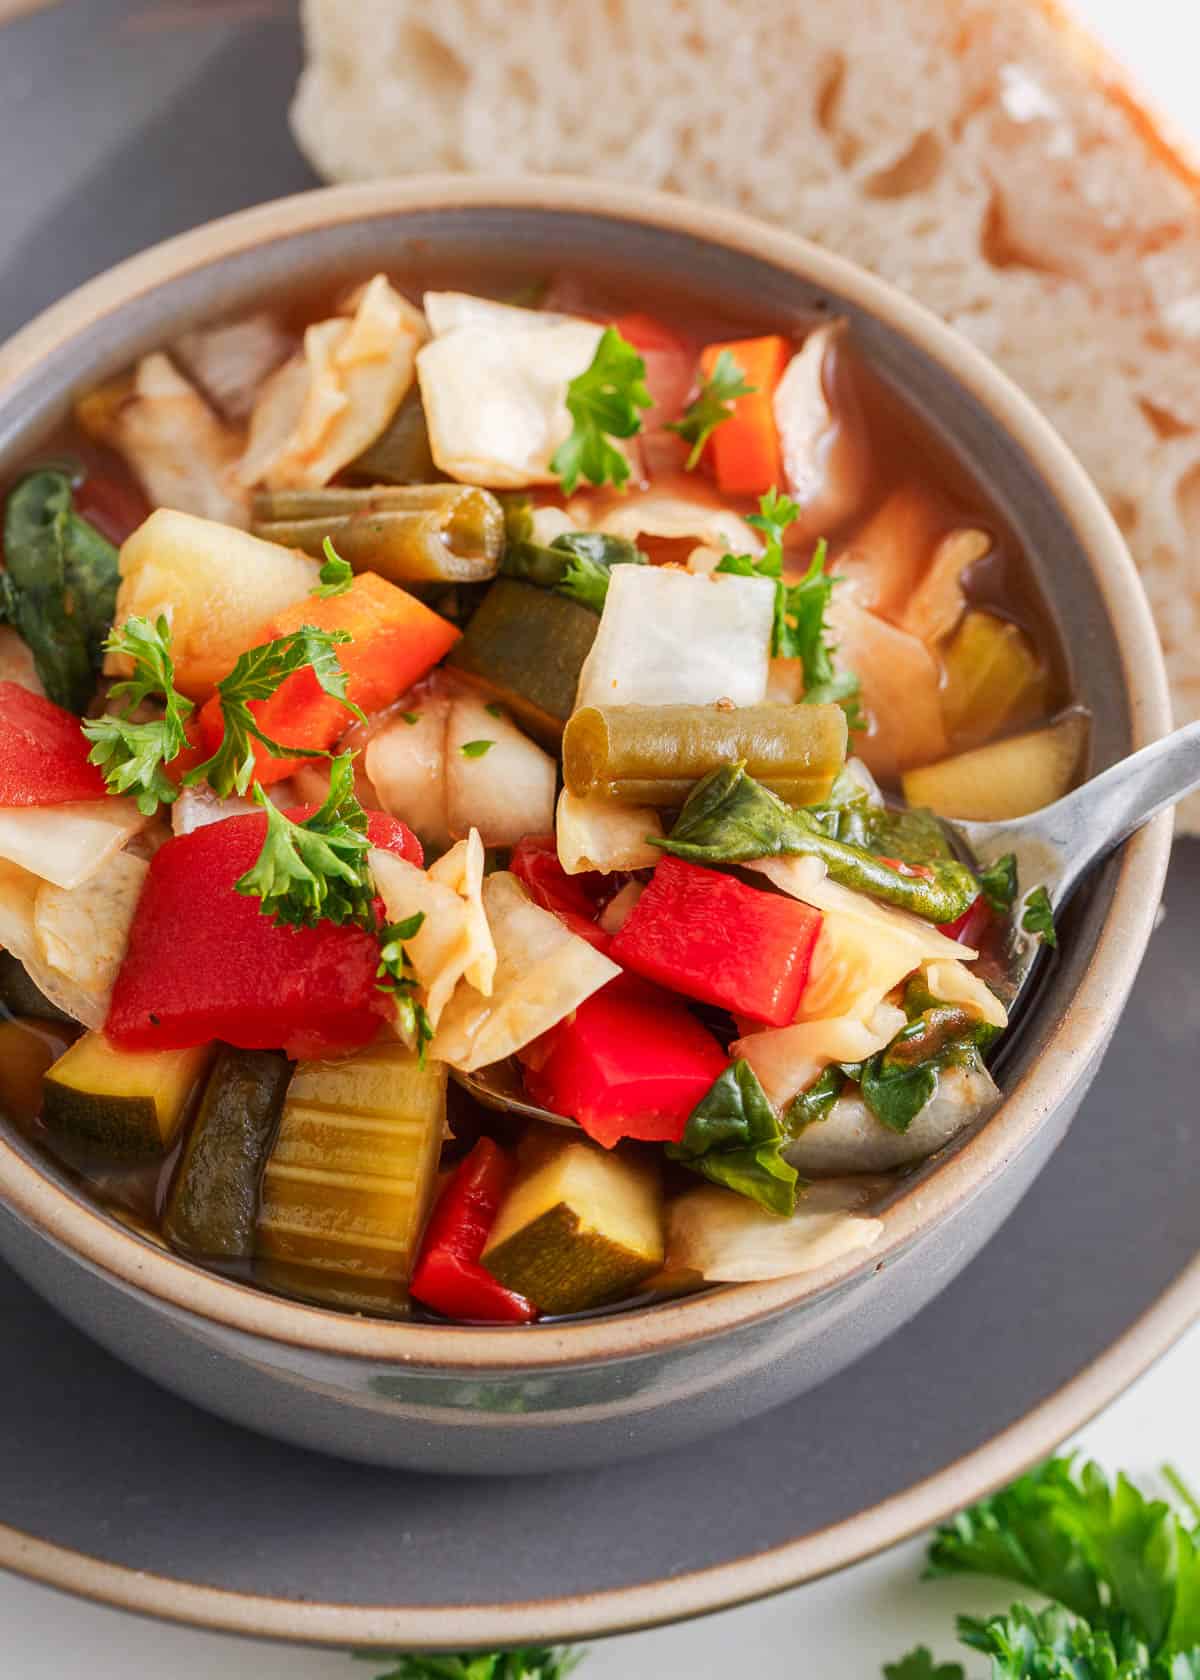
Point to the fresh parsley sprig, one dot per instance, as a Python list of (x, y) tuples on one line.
[(528, 1663), (336, 574), (799, 631), (256, 675), (315, 870), (396, 977), (132, 755), (712, 406), (604, 402)]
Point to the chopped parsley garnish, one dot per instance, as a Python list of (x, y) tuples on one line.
[(528, 1663), (604, 403), (315, 870), (475, 749), (1039, 917), (256, 675), (130, 754), (799, 630), (411, 717), (336, 574), (712, 406), (396, 977)]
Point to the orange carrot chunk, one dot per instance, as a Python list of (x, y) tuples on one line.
[(744, 450), (394, 640)]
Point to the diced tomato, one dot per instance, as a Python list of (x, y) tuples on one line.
[(631, 1062), (115, 509), (575, 899), (43, 752), (711, 937), (448, 1276), (395, 640), (972, 926), (203, 962)]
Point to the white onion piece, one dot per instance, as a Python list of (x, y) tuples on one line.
[(543, 972), (669, 637), (727, 1238), (852, 1140), (506, 790)]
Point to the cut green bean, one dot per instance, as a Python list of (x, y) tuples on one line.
[(401, 453), (412, 534), (655, 755)]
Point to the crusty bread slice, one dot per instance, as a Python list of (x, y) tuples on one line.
[(979, 153)]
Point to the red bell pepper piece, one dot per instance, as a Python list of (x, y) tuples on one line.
[(971, 927), (43, 752), (203, 962), (448, 1276), (712, 937), (115, 509), (575, 899), (631, 1062), (394, 640)]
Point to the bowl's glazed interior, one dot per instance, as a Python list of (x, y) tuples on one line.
[(429, 229)]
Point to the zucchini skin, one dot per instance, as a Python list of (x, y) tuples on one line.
[(213, 1202), (525, 647)]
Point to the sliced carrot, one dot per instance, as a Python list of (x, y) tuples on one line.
[(744, 449), (394, 640)]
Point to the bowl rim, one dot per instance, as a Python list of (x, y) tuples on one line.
[(1076, 1037)]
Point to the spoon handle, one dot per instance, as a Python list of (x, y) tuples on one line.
[(1094, 819)]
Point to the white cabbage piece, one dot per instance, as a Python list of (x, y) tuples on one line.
[(788, 1059), (405, 762), (16, 661), (937, 604), (543, 972), (549, 522), (604, 835), (68, 844), (901, 688), (230, 362), (333, 398), (181, 452), (826, 462), (727, 1238), (506, 789), (80, 936), (669, 637), (953, 982), (454, 938), (688, 512), (863, 949), (198, 806), (494, 385), (852, 1140)]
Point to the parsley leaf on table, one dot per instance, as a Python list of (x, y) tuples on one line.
[(131, 755), (528, 1663), (712, 406), (603, 402), (255, 676), (315, 870)]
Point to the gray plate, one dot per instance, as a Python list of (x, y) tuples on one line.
[(121, 123)]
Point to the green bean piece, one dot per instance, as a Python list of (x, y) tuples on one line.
[(401, 453), (525, 647), (731, 818), (412, 534), (655, 755)]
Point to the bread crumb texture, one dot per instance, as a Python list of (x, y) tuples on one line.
[(976, 155)]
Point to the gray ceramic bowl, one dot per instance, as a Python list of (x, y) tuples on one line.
[(444, 1398)]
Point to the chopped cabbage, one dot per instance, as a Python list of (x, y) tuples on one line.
[(497, 779), (788, 1059), (328, 402), (80, 937), (405, 762), (67, 844), (852, 1140), (669, 637), (494, 385), (454, 937), (604, 835), (724, 1238), (901, 688), (230, 362), (462, 869), (951, 982), (825, 459), (543, 972), (692, 513)]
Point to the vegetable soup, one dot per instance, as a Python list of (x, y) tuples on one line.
[(470, 778)]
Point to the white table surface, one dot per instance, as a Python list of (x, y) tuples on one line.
[(839, 1629)]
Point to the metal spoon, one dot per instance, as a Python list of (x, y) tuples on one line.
[(1054, 848)]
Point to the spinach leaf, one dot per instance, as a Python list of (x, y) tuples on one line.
[(575, 564), (731, 818), (733, 1138), (998, 883), (914, 836), (900, 1080), (59, 586), (816, 1103)]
